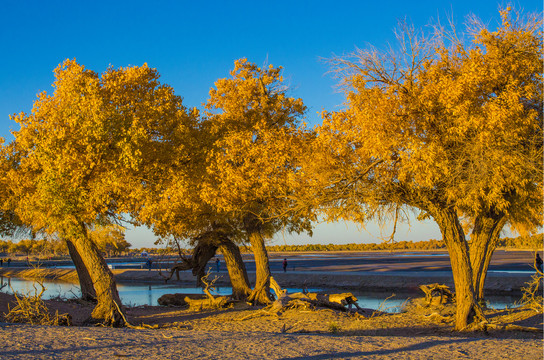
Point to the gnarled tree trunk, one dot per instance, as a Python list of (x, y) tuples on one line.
[(261, 291), (207, 245), (202, 253), (468, 310), (85, 282), (108, 307), (236, 268), (484, 238)]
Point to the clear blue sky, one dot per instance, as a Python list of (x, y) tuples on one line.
[(193, 44)]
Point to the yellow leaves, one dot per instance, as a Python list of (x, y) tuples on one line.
[(109, 238), (85, 149), (251, 164), (460, 124)]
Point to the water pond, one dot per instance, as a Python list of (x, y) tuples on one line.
[(135, 294)]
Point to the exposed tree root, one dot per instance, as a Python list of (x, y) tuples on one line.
[(305, 301), (514, 328)]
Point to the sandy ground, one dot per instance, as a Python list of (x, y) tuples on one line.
[(243, 332), (38, 342)]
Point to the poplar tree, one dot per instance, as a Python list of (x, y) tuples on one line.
[(81, 155), (251, 170), (448, 128)]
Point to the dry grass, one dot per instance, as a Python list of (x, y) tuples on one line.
[(532, 294), (31, 309)]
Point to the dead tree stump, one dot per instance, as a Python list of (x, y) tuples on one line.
[(435, 290)]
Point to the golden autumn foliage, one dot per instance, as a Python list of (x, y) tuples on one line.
[(254, 127), (110, 239), (464, 120), (449, 128), (81, 147), (233, 185)]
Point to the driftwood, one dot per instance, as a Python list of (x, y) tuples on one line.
[(435, 290), (178, 299), (210, 302), (514, 328), (304, 301)]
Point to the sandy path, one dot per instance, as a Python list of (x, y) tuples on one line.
[(40, 342)]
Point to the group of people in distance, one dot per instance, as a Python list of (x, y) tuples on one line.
[(218, 264)]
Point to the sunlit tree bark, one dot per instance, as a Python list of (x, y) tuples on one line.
[(468, 309), (484, 238), (237, 270), (85, 281), (261, 291), (108, 308)]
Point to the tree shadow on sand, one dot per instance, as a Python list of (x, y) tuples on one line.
[(391, 352)]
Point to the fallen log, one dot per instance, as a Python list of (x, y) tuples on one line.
[(207, 303), (304, 301), (178, 299), (210, 302), (514, 328)]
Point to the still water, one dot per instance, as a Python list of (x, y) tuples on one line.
[(135, 294)]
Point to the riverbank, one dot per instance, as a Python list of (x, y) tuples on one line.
[(245, 332), (409, 281)]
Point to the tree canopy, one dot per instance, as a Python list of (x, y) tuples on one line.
[(252, 165)]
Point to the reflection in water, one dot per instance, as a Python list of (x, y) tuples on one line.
[(133, 294), (28, 287)]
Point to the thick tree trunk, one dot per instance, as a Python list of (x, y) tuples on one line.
[(237, 270), (468, 310), (484, 238), (85, 282), (261, 292), (207, 245), (108, 307), (202, 253)]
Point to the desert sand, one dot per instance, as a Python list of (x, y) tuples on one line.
[(245, 332)]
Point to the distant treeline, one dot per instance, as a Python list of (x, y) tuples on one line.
[(43, 247), (534, 242), (398, 245)]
